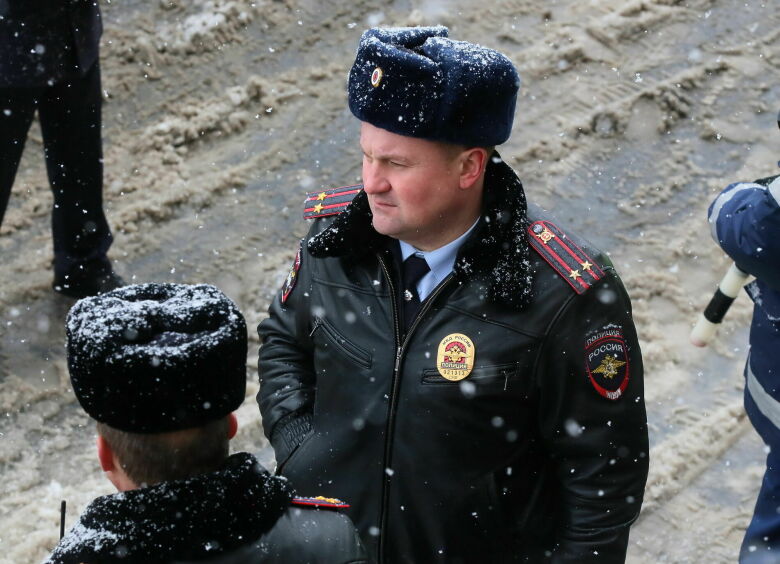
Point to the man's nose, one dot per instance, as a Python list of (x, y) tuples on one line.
[(374, 182)]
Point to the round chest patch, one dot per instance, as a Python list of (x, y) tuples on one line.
[(376, 77), (455, 358), (606, 361)]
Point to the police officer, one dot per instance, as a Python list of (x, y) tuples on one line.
[(464, 366), (745, 222), (49, 62), (161, 368)]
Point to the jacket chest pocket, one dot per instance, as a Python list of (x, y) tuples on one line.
[(332, 337), (506, 378)]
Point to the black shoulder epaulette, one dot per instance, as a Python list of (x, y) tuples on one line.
[(329, 202), (320, 501), (564, 255)]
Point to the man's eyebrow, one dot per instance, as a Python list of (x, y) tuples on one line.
[(388, 156)]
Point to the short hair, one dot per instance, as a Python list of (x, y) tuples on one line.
[(151, 458)]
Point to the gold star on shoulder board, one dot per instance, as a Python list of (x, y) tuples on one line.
[(586, 265), (574, 274), (321, 196), (318, 208)]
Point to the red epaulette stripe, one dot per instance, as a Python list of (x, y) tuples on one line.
[(329, 206), (314, 502), (545, 252), (550, 251), (332, 193), (316, 204), (592, 272), (560, 236)]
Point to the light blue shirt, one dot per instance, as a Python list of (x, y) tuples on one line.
[(440, 261)]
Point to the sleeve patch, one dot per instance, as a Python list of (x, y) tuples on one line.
[(292, 276), (607, 363), (329, 202), (564, 255), (320, 501)]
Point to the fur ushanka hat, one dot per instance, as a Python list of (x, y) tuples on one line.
[(414, 81), (152, 358)]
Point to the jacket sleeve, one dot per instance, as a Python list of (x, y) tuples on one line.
[(594, 430), (285, 366), (745, 222)]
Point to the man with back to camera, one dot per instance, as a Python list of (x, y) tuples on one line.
[(745, 222), (467, 370), (161, 368), (49, 62)]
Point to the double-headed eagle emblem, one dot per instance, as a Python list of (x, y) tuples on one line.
[(609, 366)]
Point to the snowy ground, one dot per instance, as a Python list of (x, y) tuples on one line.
[(220, 114)]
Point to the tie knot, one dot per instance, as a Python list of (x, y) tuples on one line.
[(415, 267)]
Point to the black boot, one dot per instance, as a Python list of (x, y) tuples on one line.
[(87, 280)]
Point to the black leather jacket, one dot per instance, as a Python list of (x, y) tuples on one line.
[(539, 454), (302, 535), (43, 42), (237, 515)]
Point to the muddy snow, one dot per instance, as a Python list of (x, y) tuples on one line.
[(220, 114)]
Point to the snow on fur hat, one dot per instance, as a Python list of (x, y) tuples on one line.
[(151, 358), (415, 81)]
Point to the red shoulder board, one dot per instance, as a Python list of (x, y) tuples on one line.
[(329, 202), (564, 255), (320, 501)]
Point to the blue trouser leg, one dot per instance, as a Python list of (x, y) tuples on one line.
[(761, 544)]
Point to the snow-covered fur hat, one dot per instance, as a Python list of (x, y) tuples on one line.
[(151, 358), (415, 81)]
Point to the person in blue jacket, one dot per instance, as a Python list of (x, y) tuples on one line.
[(745, 222)]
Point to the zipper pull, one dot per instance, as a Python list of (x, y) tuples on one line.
[(316, 326), (397, 360)]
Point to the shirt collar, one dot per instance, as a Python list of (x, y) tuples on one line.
[(441, 260)]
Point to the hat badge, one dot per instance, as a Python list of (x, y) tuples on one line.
[(376, 77)]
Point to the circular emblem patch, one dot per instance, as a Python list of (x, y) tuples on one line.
[(376, 77), (606, 361), (455, 358)]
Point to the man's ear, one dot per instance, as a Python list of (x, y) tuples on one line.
[(232, 425), (105, 454), (472, 166)]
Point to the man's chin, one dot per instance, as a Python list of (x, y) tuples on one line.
[(383, 228)]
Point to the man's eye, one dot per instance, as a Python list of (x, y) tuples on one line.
[(396, 163)]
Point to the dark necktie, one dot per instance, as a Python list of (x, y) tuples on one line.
[(413, 270)]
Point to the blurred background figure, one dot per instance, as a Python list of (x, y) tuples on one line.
[(745, 222), (49, 62)]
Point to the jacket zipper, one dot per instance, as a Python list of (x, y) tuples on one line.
[(396, 382)]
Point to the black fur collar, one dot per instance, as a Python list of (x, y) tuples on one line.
[(182, 520), (496, 253)]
